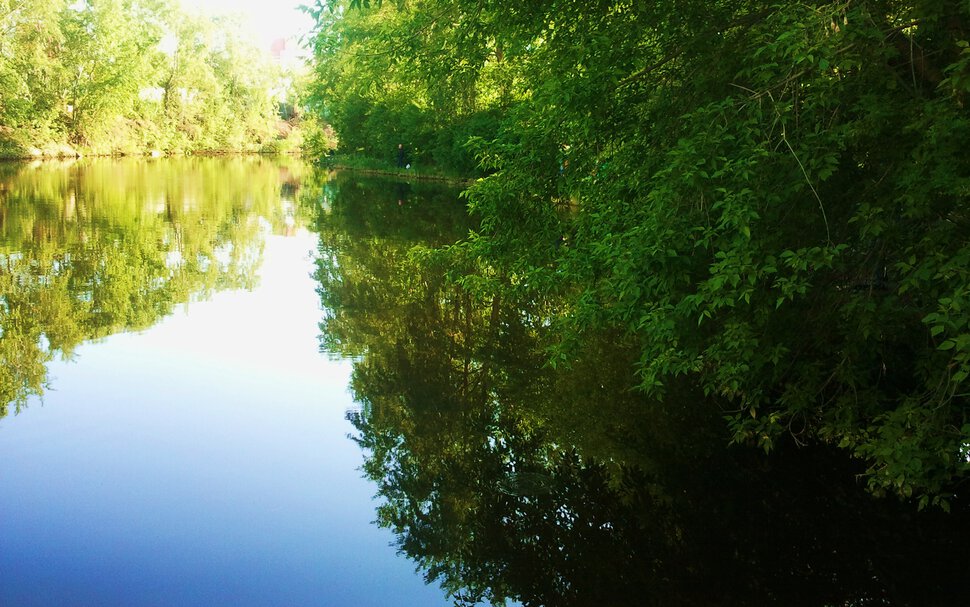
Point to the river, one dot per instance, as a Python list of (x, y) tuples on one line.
[(181, 439), (246, 381)]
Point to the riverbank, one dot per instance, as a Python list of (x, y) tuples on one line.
[(364, 166), (372, 166), (287, 139), (66, 152)]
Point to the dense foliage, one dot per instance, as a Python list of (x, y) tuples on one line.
[(768, 201), (380, 84), (129, 76)]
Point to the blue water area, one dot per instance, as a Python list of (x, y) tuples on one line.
[(202, 461)]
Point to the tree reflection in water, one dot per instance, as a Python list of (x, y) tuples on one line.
[(91, 248), (504, 478)]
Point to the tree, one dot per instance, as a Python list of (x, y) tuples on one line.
[(379, 87), (30, 76), (129, 76), (108, 55), (769, 199)]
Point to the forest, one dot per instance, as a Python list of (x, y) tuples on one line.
[(109, 77), (766, 202)]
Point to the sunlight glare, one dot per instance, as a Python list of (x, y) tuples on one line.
[(269, 20)]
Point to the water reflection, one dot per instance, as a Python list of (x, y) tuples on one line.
[(504, 478), (93, 248)]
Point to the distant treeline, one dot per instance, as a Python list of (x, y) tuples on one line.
[(129, 76)]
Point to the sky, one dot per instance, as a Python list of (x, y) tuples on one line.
[(269, 19)]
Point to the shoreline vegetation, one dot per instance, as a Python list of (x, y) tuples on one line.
[(376, 166), (767, 202), (140, 77), (363, 166), (68, 153)]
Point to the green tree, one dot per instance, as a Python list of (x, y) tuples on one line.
[(379, 87), (109, 54), (769, 199), (129, 76), (215, 88), (30, 75)]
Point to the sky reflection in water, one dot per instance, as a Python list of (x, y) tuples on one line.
[(202, 461)]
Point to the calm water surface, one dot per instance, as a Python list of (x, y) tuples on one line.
[(193, 448), (201, 362)]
